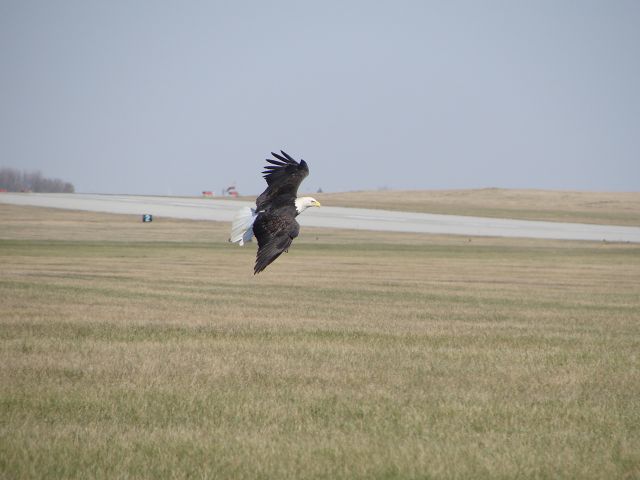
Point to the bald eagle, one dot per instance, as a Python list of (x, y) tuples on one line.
[(273, 221)]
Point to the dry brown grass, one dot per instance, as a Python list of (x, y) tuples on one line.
[(621, 208), (151, 351)]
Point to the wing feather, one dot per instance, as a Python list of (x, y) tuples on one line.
[(269, 253), (283, 175), (285, 157), (274, 232), (274, 162)]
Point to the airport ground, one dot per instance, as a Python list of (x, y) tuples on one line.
[(133, 350), (611, 217)]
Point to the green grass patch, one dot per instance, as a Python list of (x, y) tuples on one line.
[(356, 355)]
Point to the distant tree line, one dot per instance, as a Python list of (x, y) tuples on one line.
[(14, 180)]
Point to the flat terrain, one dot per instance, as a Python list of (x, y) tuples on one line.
[(131, 350), (331, 217), (608, 208)]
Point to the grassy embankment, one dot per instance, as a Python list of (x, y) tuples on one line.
[(151, 351), (611, 208)]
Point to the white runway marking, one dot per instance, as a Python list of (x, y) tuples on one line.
[(331, 217)]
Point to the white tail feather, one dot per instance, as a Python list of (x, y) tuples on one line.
[(242, 226)]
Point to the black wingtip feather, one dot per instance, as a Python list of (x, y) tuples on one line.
[(274, 162), (283, 175), (287, 155), (285, 159)]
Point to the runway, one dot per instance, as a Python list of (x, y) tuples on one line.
[(331, 217)]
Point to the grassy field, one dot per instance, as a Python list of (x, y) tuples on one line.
[(132, 350), (622, 208)]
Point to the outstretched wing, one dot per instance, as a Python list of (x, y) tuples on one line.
[(274, 232), (284, 175)]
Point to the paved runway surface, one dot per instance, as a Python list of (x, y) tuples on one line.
[(333, 217)]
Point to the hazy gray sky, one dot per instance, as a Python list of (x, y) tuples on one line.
[(162, 97)]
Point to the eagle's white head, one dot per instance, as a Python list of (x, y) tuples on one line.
[(303, 203)]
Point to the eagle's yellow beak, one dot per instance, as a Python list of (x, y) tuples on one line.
[(316, 204)]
